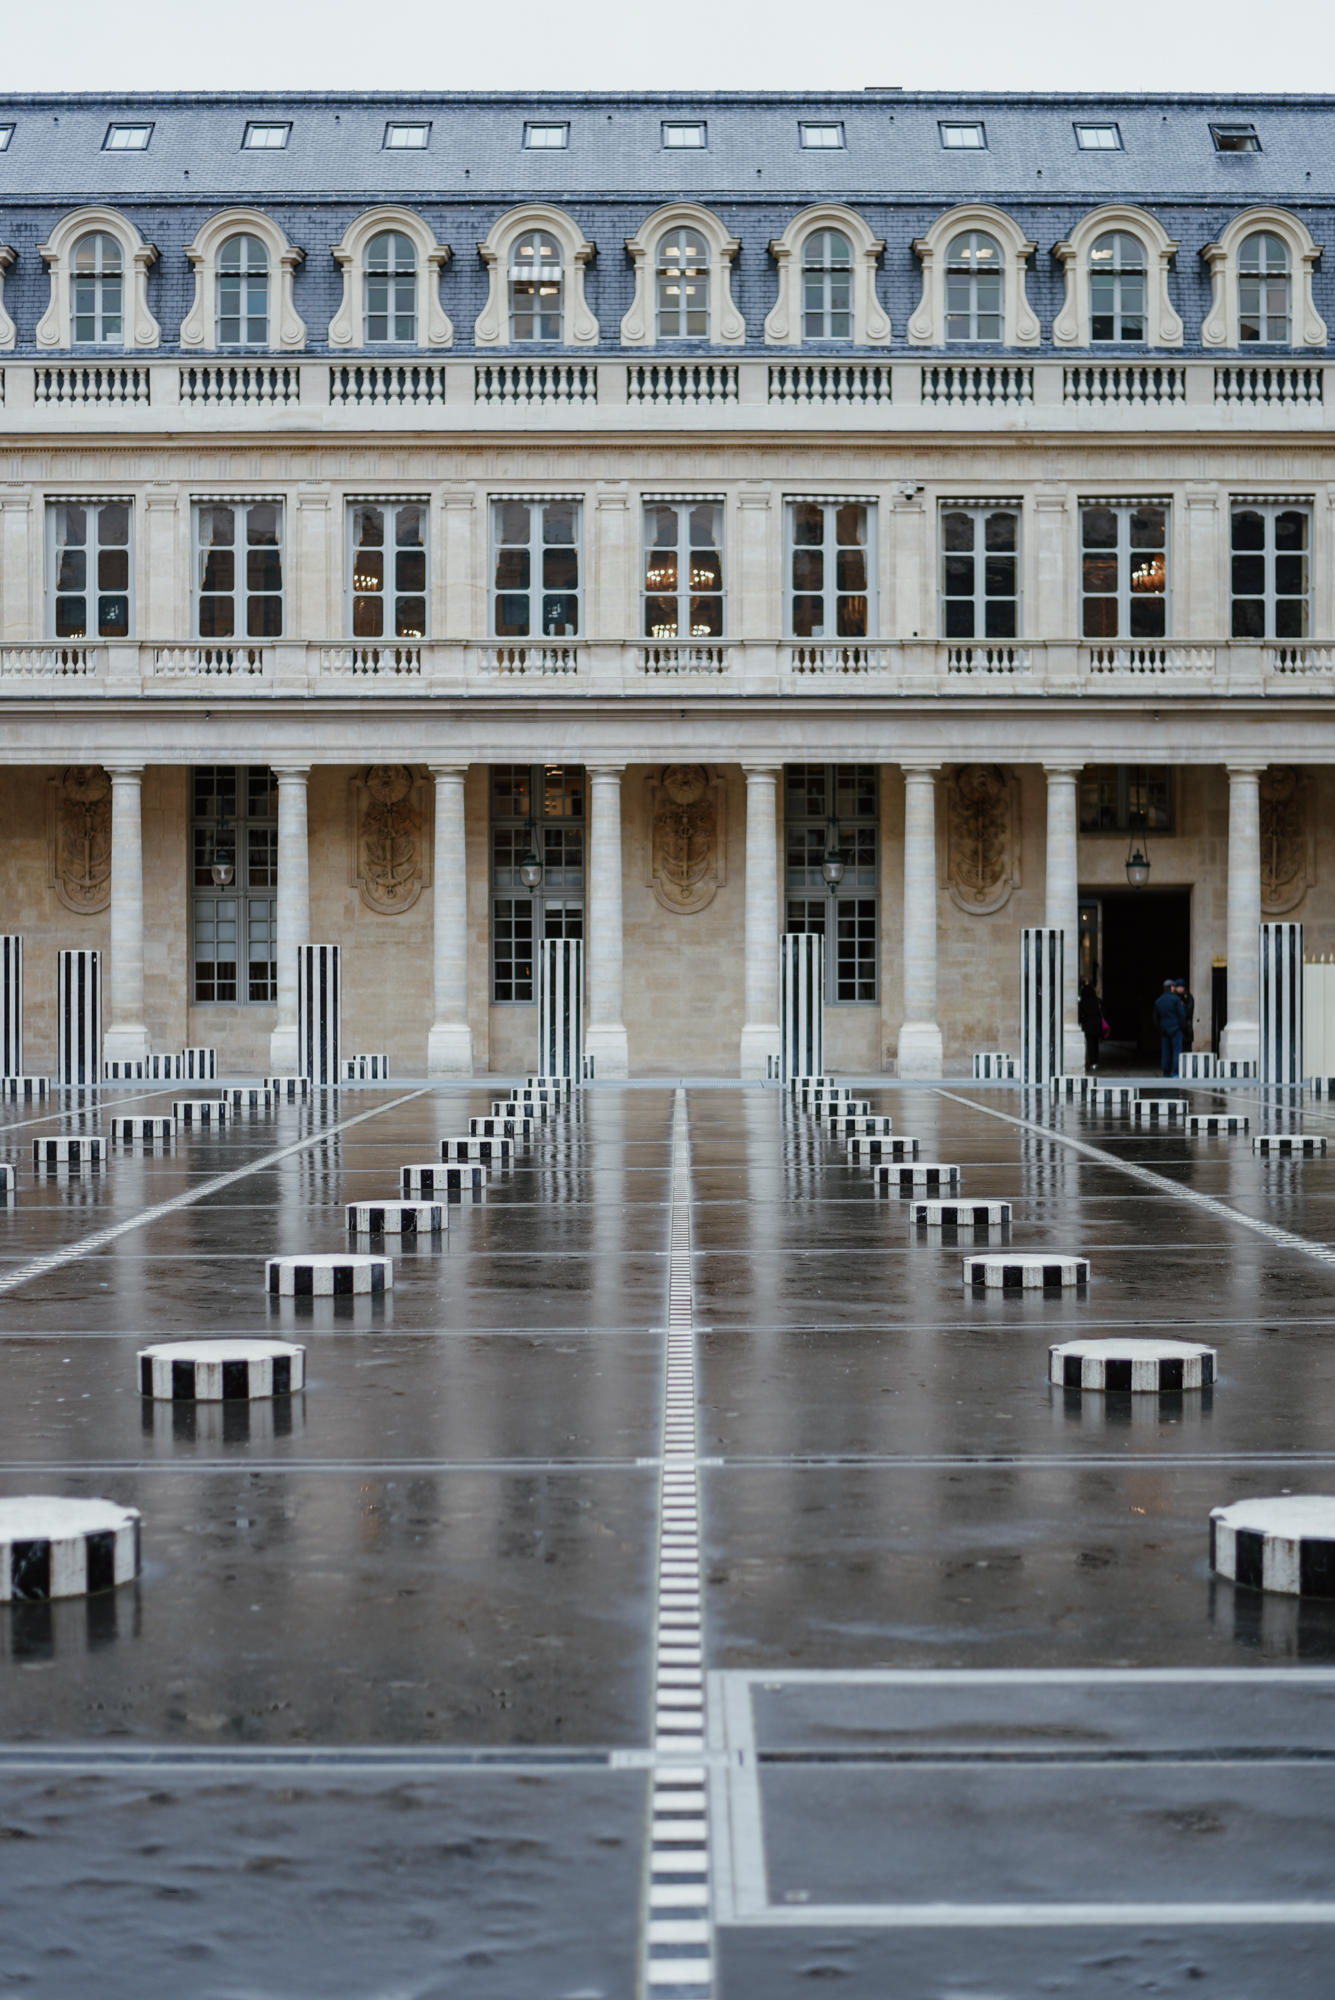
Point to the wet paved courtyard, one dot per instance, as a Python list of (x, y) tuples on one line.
[(383, 1717)]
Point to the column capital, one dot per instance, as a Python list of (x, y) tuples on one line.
[(762, 770), (1245, 770), (448, 770), (290, 773), (919, 771), (120, 770), (601, 770), (1062, 771)]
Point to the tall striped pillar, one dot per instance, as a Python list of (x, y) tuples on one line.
[(11, 1004), (801, 1004), (78, 1017), (1281, 983), (561, 1007), (1042, 978), (319, 1002)]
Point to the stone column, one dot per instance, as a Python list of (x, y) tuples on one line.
[(449, 1046), (1242, 1037), (605, 1039), (760, 1028), (126, 1036), (294, 909), (920, 1050), (1062, 901)]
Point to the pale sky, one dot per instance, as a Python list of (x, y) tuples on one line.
[(1183, 45)]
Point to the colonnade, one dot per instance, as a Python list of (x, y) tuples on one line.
[(450, 1041)]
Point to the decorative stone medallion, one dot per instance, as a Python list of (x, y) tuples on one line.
[(686, 858), (983, 860), (1287, 839), (81, 838), (390, 869)]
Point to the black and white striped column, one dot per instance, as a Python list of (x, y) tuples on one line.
[(1042, 976), (78, 1017), (1281, 1003), (54, 1546), (561, 1007), (801, 1004), (319, 1003), (11, 1004)]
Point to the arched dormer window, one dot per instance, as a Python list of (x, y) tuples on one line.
[(391, 265), (1116, 287), (682, 259), (1261, 276), (99, 267), (973, 281), (536, 259), (244, 269), (1102, 289), (826, 260)]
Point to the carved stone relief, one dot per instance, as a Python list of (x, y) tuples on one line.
[(686, 837), (982, 841), (390, 851), (1288, 839), (80, 838)]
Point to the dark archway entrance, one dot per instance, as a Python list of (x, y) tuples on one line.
[(1144, 938)]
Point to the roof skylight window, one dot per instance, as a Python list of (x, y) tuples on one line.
[(822, 138), (679, 132), (266, 136), (549, 135), (408, 138), (1099, 138), (962, 135), (1235, 138), (6, 134), (127, 138)]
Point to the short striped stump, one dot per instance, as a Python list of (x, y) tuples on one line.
[(537, 1109), (328, 1274), (860, 1126), (798, 1084), (515, 1127), (164, 1069), (539, 1093), (1159, 1110), (1320, 1086), (1198, 1064), (201, 1110), (200, 1065), (34, 1088), (908, 1175), (248, 1097), (833, 1093), (125, 1071), (51, 1546), (288, 1089), (7, 1182), (396, 1218), (1285, 1544), (961, 1214), (995, 1064), (1236, 1069), (221, 1371), (1019, 1271), (1145, 1367), (1073, 1086), (866, 1150), (835, 1108), (366, 1069), (435, 1179), (126, 1131), (494, 1151), (86, 1150), (1216, 1124), (1289, 1145), (564, 1084), (1113, 1096)]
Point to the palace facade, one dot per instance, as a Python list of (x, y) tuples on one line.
[(428, 524)]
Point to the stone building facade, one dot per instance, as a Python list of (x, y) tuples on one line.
[(479, 518)]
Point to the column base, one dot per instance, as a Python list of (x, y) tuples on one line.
[(1241, 1042), (128, 1043), (760, 1041), (283, 1051), (1073, 1049), (606, 1043), (920, 1052), (449, 1049)]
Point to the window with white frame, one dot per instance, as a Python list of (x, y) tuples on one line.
[(97, 282), (960, 136), (89, 576), (1271, 580), (682, 282), (827, 286), (830, 580), (406, 138), (239, 569), (536, 285), (243, 292), (1117, 281), (679, 132), (1124, 569), (234, 926), (537, 814), (266, 135), (834, 808), (553, 135), (535, 569), (6, 137), (1099, 138), (390, 289), (387, 575), (980, 571), (683, 569), (822, 137), (127, 138), (975, 279), (1265, 292)]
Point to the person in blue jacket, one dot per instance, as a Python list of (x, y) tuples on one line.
[(1170, 1018)]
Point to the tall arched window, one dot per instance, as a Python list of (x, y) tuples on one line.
[(536, 276), (391, 289), (243, 293), (98, 277), (682, 281), (1117, 275), (1265, 298), (827, 286), (974, 281)]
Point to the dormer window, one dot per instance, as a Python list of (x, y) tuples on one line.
[(822, 138), (550, 137), (1099, 138), (266, 136), (961, 136), (407, 138), (127, 138), (6, 134), (1235, 138), (677, 133)]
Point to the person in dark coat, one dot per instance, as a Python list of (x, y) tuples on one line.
[(1188, 999), (1089, 1013), (1170, 1018)]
